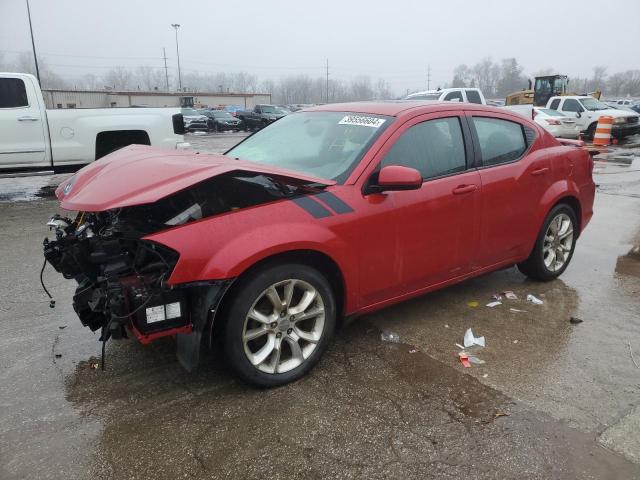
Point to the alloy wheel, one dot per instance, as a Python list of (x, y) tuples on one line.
[(283, 326), (558, 242)]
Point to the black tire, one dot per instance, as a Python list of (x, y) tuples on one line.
[(534, 267), (250, 290), (217, 127), (591, 131)]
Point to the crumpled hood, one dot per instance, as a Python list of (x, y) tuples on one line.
[(139, 174)]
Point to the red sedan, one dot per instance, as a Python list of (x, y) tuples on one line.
[(328, 212)]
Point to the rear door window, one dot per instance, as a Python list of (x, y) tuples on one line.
[(13, 93), (501, 141), (473, 97), (555, 104), (435, 148)]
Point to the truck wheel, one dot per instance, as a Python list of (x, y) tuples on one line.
[(554, 246), (591, 131), (278, 324)]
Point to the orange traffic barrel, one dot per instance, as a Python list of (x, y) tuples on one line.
[(602, 135)]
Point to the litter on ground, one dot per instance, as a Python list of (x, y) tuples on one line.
[(496, 297), (493, 304), (391, 337), (516, 310), (470, 340), (472, 304), (509, 295), (464, 360), (534, 300), (575, 320)]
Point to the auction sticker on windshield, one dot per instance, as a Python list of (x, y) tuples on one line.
[(362, 121)]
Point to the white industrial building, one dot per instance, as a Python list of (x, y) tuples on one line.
[(55, 98)]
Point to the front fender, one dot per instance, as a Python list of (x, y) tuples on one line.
[(225, 246)]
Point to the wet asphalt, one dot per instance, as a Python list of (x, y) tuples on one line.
[(553, 400)]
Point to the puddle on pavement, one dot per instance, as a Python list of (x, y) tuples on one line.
[(629, 264), (369, 410), (26, 189)]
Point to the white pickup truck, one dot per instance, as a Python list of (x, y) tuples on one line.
[(470, 95), (32, 137), (587, 110)]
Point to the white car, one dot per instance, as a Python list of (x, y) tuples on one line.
[(626, 102), (469, 95), (587, 111), (556, 123), (36, 138)]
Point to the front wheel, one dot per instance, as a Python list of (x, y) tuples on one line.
[(278, 324), (554, 246)]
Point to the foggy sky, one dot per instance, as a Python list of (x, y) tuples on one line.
[(393, 40)]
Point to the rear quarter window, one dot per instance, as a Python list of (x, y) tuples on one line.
[(501, 141), (473, 97), (13, 93)]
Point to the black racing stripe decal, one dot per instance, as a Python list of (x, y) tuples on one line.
[(336, 204), (311, 206)]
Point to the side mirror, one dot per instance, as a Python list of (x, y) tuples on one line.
[(396, 177), (578, 114)]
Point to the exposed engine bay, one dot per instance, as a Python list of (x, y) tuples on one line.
[(122, 278)]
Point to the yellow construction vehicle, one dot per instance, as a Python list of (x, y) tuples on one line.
[(543, 89)]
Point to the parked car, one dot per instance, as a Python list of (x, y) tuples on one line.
[(260, 116), (331, 212), (36, 138), (626, 102), (221, 121), (470, 95), (587, 110), (556, 123), (194, 121)]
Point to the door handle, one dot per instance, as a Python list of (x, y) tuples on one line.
[(462, 189), (28, 119), (540, 171)]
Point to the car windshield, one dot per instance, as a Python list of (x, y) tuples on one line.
[(322, 144), (593, 104), (190, 112), (221, 114), (552, 113), (424, 96)]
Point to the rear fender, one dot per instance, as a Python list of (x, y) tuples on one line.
[(554, 194)]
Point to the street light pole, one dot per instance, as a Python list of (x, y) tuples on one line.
[(177, 26), (33, 43)]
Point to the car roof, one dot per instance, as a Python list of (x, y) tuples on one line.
[(394, 108)]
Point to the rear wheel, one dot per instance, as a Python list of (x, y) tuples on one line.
[(554, 246), (278, 324), (591, 131)]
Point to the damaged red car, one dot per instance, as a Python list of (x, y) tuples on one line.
[(329, 212)]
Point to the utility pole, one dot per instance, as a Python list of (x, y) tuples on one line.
[(166, 72), (327, 80), (428, 77), (33, 44), (177, 26)]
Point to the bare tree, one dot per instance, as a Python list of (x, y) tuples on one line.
[(149, 78), (118, 78)]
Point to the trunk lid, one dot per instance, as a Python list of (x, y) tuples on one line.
[(137, 175)]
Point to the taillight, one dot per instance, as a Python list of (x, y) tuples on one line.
[(552, 121), (533, 113)]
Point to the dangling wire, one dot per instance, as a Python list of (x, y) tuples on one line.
[(52, 302)]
